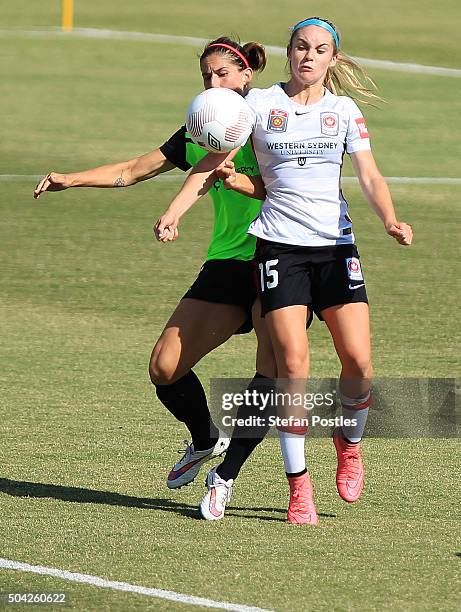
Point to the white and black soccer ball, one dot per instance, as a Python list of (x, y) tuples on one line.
[(219, 120)]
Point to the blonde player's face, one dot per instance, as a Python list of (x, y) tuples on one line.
[(219, 71), (311, 53)]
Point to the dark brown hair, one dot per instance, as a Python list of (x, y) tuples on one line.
[(253, 52)]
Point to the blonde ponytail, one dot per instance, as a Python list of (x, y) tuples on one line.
[(347, 78)]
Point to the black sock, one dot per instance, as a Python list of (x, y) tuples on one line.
[(246, 439), (186, 400)]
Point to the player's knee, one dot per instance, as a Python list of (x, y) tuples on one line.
[(358, 366), (363, 367), (162, 369), (295, 365)]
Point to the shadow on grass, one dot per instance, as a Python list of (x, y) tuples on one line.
[(240, 512), (19, 488)]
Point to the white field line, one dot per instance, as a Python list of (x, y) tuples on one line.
[(199, 42), (173, 178), (125, 586), (411, 180)]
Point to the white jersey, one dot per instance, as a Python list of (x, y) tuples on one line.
[(300, 154)]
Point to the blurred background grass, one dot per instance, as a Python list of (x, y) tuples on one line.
[(410, 31)]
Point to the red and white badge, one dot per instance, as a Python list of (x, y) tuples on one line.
[(363, 130), (354, 270), (278, 120), (329, 124)]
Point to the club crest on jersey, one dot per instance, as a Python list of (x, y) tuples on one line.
[(329, 124), (354, 271), (278, 120), (363, 130)]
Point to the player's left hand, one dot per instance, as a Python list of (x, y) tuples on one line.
[(402, 232)]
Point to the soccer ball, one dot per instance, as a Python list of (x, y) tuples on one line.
[(219, 120)]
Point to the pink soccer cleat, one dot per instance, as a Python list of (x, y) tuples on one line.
[(301, 509), (350, 473)]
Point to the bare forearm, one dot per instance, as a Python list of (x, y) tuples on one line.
[(122, 174), (196, 185), (110, 175), (199, 182), (378, 195)]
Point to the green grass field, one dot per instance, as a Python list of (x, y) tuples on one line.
[(85, 292)]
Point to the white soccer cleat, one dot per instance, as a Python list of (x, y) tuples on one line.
[(219, 492), (187, 468)]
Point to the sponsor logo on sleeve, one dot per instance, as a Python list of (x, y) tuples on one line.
[(278, 121), (363, 130), (329, 124), (354, 271)]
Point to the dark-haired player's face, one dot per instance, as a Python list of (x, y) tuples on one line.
[(219, 71)]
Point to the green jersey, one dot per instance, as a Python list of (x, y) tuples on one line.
[(233, 212)]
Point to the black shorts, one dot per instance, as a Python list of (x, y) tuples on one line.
[(317, 277), (227, 281)]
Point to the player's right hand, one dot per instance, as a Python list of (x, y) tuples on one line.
[(53, 181), (226, 172), (166, 228)]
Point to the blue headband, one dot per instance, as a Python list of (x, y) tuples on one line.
[(318, 22)]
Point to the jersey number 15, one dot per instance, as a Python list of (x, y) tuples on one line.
[(269, 277)]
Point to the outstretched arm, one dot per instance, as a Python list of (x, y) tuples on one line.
[(197, 184), (120, 174), (378, 195)]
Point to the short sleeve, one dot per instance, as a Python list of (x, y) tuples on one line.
[(174, 149), (251, 98), (357, 137)]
